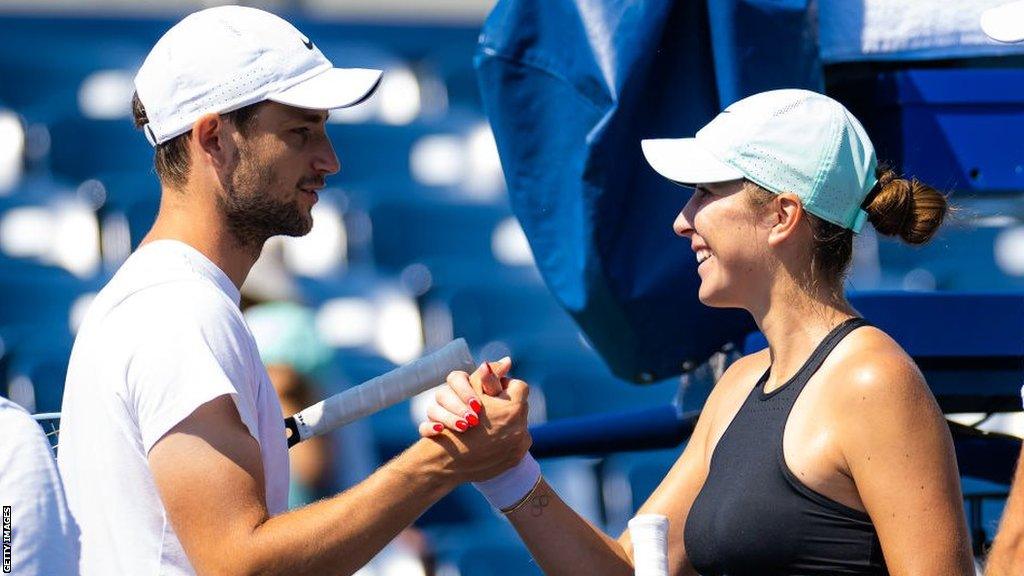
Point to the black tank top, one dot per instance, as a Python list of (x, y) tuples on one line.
[(753, 516)]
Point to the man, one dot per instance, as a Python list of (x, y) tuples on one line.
[(172, 444), (44, 538), (1006, 24)]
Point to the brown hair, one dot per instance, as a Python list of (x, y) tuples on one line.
[(171, 158), (909, 209), (896, 206)]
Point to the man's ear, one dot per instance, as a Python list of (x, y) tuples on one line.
[(787, 212), (210, 140)]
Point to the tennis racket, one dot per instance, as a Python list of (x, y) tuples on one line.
[(379, 393), (357, 402), (649, 533), (50, 423)]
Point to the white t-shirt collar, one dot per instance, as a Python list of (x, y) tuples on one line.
[(201, 264)]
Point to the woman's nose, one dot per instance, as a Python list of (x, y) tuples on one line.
[(683, 225)]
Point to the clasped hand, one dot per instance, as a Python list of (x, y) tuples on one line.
[(481, 419)]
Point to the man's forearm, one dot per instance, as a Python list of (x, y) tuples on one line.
[(1007, 556), (341, 534)]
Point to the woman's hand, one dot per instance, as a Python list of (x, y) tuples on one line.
[(457, 405)]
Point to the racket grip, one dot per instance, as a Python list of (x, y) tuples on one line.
[(379, 393)]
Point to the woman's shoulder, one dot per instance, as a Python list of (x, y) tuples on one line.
[(871, 374)]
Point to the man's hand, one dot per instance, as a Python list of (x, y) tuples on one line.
[(495, 407)]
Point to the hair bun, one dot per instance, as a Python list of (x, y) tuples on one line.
[(909, 209)]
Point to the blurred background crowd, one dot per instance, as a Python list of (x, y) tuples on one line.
[(413, 244)]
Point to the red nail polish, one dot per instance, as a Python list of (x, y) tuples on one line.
[(472, 419), (461, 425), (475, 405), (438, 428)]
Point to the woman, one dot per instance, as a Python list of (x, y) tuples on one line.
[(824, 453)]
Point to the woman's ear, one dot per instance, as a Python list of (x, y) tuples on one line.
[(786, 212)]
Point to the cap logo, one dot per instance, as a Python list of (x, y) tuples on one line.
[(307, 43)]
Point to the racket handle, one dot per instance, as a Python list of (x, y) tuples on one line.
[(649, 533), (379, 393)]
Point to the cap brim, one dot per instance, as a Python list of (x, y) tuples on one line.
[(331, 89), (685, 161), (1004, 23)]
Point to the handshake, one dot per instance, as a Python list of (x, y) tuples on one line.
[(480, 420)]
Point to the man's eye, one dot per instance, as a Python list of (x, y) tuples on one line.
[(304, 132)]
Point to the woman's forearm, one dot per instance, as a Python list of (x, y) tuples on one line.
[(563, 542)]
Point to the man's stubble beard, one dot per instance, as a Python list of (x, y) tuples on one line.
[(251, 210)]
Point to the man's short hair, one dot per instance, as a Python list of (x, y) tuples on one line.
[(171, 159)]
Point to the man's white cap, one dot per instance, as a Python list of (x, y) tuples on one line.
[(225, 58), (785, 141), (1004, 23)]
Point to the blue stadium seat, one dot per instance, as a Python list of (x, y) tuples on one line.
[(629, 479), (50, 57), (46, 373), (132, 199), (366, 192), (578, 389), (355, 281), (489, 309), (372, 150), (37, 354), (959, 258), (32, 294), (488, 547), (84, 148), (984, 503), (417, 231), (498, 559)]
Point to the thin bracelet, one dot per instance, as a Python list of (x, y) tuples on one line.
[(522, 501)]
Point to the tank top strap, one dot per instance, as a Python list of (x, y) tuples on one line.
[(829, 344), (795, 385)]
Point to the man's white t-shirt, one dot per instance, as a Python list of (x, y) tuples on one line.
[(162, 338), (44, 538)]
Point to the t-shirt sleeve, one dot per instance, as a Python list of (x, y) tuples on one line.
[(193, 351), (44, 537)]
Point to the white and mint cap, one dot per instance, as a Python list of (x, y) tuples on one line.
[(784, 141)]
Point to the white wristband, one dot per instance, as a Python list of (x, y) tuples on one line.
[(509, 487)]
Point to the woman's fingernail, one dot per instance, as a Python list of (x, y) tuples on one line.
[(461, 425), (488, 366), (438, 428), (475, 405), (472, 419)]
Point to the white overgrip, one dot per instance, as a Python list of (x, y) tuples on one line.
[(649, 534), (385, 390)]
